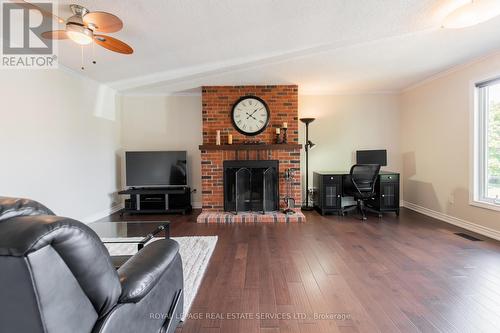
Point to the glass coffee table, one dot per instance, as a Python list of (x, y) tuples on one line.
[(136, 233)]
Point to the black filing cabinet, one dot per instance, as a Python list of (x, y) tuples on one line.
[(328, 198), (387, 190)]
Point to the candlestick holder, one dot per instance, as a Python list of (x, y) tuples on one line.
[(278, 139), (285, 137)]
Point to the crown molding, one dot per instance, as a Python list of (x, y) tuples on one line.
[(451, 70)]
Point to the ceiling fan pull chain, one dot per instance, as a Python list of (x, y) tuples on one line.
[(81, 47), (93, 53)]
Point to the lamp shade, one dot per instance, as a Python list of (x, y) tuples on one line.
[(307, 120)]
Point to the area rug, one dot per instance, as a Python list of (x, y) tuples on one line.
[(195, 253)]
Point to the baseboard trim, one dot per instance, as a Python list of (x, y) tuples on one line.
[(479, 229), (102, 214)]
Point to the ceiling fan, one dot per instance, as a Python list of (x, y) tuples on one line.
[(84, 27)]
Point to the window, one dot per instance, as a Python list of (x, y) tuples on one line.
[(487, 143)]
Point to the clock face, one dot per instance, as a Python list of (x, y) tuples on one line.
[(250, 115)]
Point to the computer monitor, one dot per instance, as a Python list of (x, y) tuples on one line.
[(372, 157)]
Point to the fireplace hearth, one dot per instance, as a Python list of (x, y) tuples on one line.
[(251, 186)]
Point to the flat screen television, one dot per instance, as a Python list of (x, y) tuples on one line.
[(372, 157), (156, 168)]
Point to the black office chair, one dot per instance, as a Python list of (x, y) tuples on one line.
[(360, 183)]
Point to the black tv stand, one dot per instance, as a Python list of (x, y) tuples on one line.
[(157, 200)]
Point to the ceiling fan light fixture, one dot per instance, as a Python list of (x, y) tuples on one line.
[(79, 34), (472, 13)]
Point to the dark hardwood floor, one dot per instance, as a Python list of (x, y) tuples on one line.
[(406, 274)]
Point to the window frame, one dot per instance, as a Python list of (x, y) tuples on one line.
[(478, 144)]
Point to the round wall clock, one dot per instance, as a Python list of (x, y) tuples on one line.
[(250, 115)]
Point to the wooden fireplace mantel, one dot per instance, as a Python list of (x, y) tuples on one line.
[(274, 146)]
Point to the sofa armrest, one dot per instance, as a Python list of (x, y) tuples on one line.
[(13, 207), (142, 271)]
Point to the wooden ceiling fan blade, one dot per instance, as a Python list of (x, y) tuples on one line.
[(113, 44), (55, 34), (45, 12), (103, 22)]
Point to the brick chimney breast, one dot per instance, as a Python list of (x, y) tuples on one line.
[(217, 104)]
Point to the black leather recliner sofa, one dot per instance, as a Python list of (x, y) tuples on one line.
[(57, 276)]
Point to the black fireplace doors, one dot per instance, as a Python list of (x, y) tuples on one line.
[(251, 186)]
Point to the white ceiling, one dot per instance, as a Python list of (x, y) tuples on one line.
[(330, 46)]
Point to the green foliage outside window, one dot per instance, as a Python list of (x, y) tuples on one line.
[(494, 150)]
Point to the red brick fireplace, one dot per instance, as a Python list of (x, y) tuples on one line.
[(218, 102)]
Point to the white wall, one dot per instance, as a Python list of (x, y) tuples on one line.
[(435, 125), (346, 123), (59, 141), (166, 123)]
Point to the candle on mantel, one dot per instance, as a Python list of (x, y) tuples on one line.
[(278, 131), (285, 125), (217, 138), (229, 139)]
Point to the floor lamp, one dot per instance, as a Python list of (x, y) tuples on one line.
[(308, 146)]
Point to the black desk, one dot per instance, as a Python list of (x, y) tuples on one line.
[(329, 192)]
